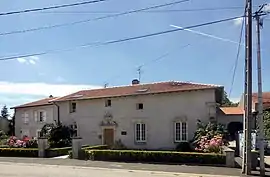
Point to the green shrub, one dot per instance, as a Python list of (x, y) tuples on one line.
[(184, 147), (54, 152), (83, 153), (156, 156), (18, 152)]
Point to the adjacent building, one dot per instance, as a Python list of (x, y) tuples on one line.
[(232, 117), (4, 124), (31, 117)]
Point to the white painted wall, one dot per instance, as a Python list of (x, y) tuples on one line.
[(159, 113), (32, 126)]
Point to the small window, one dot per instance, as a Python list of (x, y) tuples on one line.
[(139, 106), (108, 103), (140, 132), (123, 133), (73, 107)]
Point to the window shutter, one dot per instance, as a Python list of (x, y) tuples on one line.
[(23, 118), (36, 116), (45, 116), (26, 118)]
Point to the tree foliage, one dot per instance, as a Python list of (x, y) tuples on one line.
[(266, 122), (11, 126), (58, 135), (4, 112), (226, 102)]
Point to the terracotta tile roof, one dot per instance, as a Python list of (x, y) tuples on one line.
[(139, 89), (42, 102), (265, 95), (232, 110)]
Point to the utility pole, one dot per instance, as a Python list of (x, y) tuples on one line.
[(259, 24), (248, 90)]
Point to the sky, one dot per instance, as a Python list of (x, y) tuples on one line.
[(204, 55)]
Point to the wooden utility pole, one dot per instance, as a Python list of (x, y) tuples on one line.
[(259, 24)]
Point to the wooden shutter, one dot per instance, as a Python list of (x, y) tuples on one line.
[(44, 116)]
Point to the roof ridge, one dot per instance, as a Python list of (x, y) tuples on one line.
[(152, 83)]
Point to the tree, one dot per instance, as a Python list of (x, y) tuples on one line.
[(11, 126), (226, 102), (4, 112), (58, 135), (266, 122)]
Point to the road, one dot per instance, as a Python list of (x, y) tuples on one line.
[(10, 169)]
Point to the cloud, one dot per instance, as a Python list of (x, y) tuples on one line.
[(267, 8), (28, 60), (238, 21), (41, 89), (21, 60), (235, 100)]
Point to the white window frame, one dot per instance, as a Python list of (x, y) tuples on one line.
[(140, 139), (107, 103), (138, 106), (75, 128), (181, 131), (41, 119)]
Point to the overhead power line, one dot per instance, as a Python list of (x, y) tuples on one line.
[(152, 11), (92, 19), (96, 44), (50, 7), (237, 55)]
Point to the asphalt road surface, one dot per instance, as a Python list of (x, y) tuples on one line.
[(10, 169)]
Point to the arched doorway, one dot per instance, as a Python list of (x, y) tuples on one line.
[(233, 128)]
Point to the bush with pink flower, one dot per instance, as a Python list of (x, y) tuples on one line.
[(26, 142), (214, 144), (210, 137)]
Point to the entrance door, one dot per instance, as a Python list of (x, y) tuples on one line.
[(108, 136)]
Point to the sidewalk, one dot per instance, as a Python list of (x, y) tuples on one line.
[(189, 170)]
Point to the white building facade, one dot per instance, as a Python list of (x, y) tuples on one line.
[(141, 116)]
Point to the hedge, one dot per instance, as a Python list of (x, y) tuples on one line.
[(84, 155), (18, 152), (157, 156)]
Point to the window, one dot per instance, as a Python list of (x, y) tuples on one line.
[(139, 106), (39, 134), (140, 132), (180, 131), (73, 107), (41, 116), (75, 129), (108, 103)]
